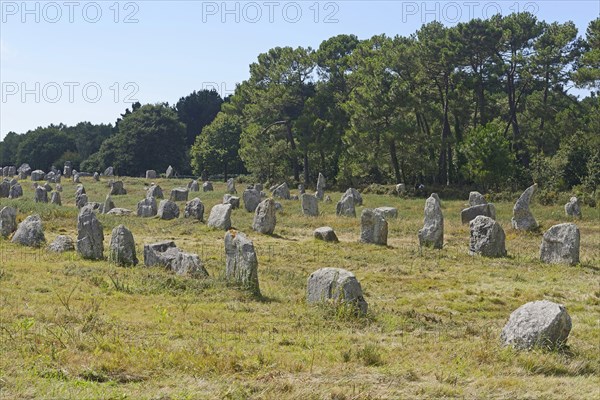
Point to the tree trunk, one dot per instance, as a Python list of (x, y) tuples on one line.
[(395, 163), (306, 170), (294, 159)]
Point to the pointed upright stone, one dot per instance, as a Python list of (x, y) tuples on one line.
[(432, 233), (265, 217), (522, 217), (90, 235), (241, 264)]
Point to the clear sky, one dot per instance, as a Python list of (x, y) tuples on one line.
[(71, 61)]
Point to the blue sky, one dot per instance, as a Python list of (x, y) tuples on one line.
[(71, 61)]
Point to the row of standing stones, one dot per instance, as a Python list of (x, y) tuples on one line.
[(536, 323)]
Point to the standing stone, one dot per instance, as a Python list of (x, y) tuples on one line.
[(522, 218), (572, 208), (194, 186), (560, 245), (4, 189), (220, 217), (345, 207), (30, 232), (335, 285), (233, 200), (37, 175), (537, 324), (55, 199), (251, 199), (167, 255), (373, 227), (282, 191), (327, 199), (12, 171), (47, 187), (468, 214), (400, 189), (387, 212), (476, 199), (326, 234), (194, 209), (108, 205), (310, 204), (487, 237), (179, 194), (24, 169), (110, 171), (117, 189), (41, 196), (147, 207), (76, 178), (16, 191), (150, 174), (168, 209), (68, 169), (432, 233), (155, 191), (170, 172), (96, 177), (241, 264), (264, 217), (301, 189), (61, 244), (90, 237), (207, 186), (8, 221), (122, 247), (81, 200), (231, 186), (59, 188), (321, 185), (356, 195)]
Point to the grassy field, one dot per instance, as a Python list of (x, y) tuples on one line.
[(76, 329)]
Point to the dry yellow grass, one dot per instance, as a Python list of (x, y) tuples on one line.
[(79, 329)]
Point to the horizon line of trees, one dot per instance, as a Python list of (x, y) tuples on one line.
[(484, 102)]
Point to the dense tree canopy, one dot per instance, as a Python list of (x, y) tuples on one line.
[(487, 102)]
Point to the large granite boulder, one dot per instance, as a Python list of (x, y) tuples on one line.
[(282, 192), (150, 174), (117, 188), (170, 173), (358, 200), (8, 221), (147, 207), (476, 199), (109, 204), (522, 217), (30, 232), (321, 185), (345, 207), (55, 199), (233, 200), (122, 247), (432, 233), (4, 189), (487, 237), (207, 186), (251, 199), (179, 194), (387, 212), (573, 208), (194, 186), (15, 192), (310, 204), (155, 191), (61, 244), (38, 175), (468, 214), (335, 285), (537, 324), (265, 217), (220, 217), (167, 210), (41, 196), (90, 235), (325, 233), (167, 255), (194, 209), (560, 245), (110, 171), (231, 186), (373, 227), (241, 262)]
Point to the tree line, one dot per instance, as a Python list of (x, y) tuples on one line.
[(484, 102)]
